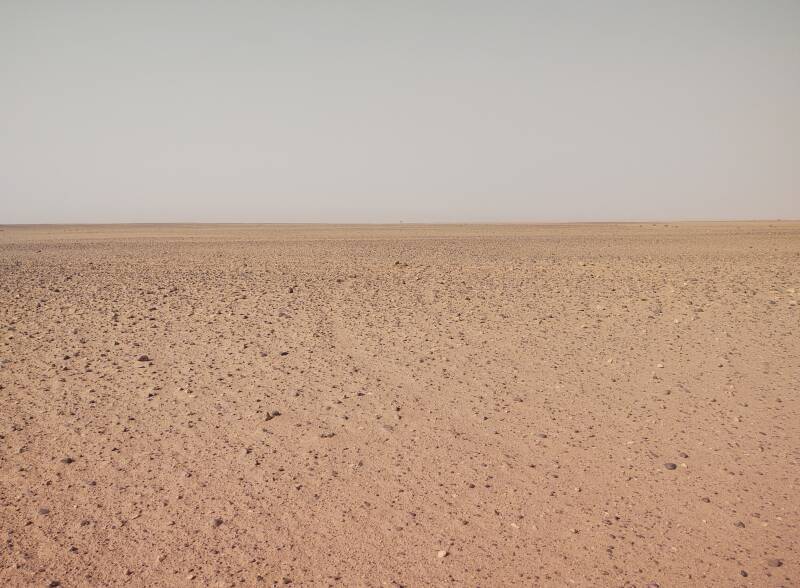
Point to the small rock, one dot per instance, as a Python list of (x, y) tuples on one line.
[(683, 455), (54, 584), (67, 460), (739, 524), (44, 510), (142, 358), (327, 435), (743, 573), (216, 522), (442, 553), (774, 563), (670, 466)]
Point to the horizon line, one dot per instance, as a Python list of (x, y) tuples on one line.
[(402, 223)]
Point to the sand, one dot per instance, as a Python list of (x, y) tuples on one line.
[(553, 405)]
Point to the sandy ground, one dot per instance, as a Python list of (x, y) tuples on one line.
[(588, 405)]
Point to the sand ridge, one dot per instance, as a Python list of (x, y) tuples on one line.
[(407, 405)]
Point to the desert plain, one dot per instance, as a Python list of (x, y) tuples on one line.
[(400, 405)]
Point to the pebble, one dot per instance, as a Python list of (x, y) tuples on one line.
[(143, 358), (774, 563), (216, 522), (670, 466), (739, 524), (327, 435), (67, 460), (44, 510), (442, 553), (743, 573)]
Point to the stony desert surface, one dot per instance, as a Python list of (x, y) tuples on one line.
[(466, 405)]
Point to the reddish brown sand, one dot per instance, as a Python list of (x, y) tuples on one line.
[(465, 405)]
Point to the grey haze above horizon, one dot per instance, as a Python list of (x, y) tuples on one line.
[(404, 111)]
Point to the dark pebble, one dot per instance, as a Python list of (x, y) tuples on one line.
[(44, 510), (743, 574), (670, 466), (143, 358), (216, 522), (774, 563), (739, 524), (67, 460)]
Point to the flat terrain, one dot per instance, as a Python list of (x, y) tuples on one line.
[(552, 405)]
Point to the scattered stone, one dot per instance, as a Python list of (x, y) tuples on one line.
[(683, 455), (44, 510), (774, 563), (739, 524), (143, 358), (216, 522), (670, 466), (705, 499), (327, 435), (284, 353), (442, 553), (67, 460), (743, 573), (54, 584)]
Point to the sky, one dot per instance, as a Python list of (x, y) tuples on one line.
[(405, 111)]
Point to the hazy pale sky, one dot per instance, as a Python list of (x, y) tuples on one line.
[(357, 111)]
